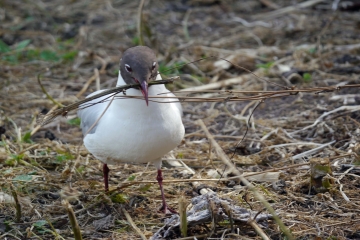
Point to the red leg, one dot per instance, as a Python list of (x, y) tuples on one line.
[(164, 208), (106, 171)]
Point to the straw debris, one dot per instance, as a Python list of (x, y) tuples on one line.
[(286, 75)]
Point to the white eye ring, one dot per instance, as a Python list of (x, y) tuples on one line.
[(154, 65), (128, 68)]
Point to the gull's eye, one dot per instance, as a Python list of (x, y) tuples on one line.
[(128, 68), (153, 66)]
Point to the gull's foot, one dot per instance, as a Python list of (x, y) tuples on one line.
[(167, 210)]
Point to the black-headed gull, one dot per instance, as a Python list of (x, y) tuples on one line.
[(134, 130)]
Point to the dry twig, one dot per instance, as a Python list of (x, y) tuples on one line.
[(132, 224)]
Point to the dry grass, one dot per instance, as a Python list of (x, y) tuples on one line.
[(307, 48)]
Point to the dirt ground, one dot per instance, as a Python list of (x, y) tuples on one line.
[(73, 46)]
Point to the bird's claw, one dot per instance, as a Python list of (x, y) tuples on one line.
[(167, 210)]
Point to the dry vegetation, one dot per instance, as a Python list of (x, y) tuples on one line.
[(79, 43)]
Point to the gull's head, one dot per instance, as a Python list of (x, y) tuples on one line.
[(139, 65)]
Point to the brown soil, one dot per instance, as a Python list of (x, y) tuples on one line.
[(65, 41)]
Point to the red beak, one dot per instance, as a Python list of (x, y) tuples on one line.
[(144, 91)]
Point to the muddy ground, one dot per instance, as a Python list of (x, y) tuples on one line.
[(72, 46)]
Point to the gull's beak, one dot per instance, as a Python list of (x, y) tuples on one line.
[(144, 91)]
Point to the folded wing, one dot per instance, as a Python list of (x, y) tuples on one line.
[(91, 111)]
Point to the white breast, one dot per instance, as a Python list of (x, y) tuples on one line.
[(130, 131)]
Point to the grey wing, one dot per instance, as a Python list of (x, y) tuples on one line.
[(90, 112)]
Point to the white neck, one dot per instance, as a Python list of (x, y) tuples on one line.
[(120, 80)]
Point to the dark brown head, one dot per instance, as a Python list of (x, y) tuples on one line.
[(139, 65)]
